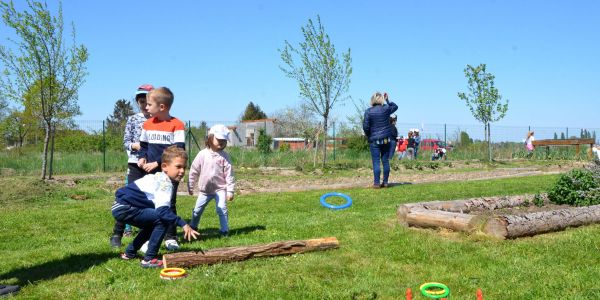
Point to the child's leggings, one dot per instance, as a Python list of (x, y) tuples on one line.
[(221, 208)]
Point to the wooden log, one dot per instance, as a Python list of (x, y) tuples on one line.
[(513, 226), (463, 206), (231, 254), (437, 218)]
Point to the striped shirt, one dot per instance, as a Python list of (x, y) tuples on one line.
[(157, 135)]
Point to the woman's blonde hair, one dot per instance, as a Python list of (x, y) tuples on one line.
[(377, 99)]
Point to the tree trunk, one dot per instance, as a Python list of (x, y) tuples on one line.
[(231, 254), (325, 119), (489, 140), (512, 226), (421, 217), (463, 206), (52, 134), (45, 150)]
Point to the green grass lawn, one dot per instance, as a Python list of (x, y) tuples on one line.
[(57, 247)]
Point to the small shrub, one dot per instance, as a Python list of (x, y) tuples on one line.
[(579, 187), (538, 200), (264, 142), (284, 147)]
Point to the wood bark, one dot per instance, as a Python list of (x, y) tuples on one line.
[(438, 218), (513, 226), (231, 254), (462, 206)]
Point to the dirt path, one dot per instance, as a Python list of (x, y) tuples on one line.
[(291, 181)]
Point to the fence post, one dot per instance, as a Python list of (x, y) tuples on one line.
[(103, 147), (189, 143), (445, 141)]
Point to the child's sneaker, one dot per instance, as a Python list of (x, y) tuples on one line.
[(153, 263), (171, 245), (115, 241), (124, 256), (144, 247)]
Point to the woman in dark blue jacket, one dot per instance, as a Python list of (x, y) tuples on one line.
[(378, 130)]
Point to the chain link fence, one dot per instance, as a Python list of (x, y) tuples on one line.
[(91, 146)]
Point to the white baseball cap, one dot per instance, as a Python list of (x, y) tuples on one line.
[(220, 131)]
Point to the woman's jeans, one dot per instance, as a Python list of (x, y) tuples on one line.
[(380, 152), (392, 148)]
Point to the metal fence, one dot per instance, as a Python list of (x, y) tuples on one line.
[(98, 148)]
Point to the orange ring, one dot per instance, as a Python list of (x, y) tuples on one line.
[(172, 273)]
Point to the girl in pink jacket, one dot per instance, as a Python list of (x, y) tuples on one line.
[(213, 171)]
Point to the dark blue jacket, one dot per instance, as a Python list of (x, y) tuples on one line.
[(376, 124)]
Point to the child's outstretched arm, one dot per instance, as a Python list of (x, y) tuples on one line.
[(189, 232)]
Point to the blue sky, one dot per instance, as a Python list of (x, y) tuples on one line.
[(218, 55)]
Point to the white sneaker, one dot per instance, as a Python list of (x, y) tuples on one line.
[(171, 245), (144, 247)]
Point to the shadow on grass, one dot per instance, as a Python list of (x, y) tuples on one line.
[(214, 233), (75, 263), (393, 184)]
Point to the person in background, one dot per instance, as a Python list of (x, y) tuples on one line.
[(417, 138), (131, 141), (529, 144), (410, 145), (394, 137), (378, 130), (401, 148)]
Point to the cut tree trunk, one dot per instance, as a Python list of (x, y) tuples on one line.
[(461, 206), (231, 254), (512, 226), (420, 217)]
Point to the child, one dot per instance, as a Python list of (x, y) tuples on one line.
[(213, 171), (394, 137), (402, 143), (131, 141), (158, 133), (529, 144), (410, 145), (145, 203)]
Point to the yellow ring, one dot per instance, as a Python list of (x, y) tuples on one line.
[(172, 272)]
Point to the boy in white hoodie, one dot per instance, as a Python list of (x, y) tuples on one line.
[(213, 171)]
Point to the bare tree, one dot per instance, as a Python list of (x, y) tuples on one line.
[(322, 76), (44, 71)]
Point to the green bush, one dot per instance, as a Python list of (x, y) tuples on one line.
[(358, 143), (579, 187), (264, 142)]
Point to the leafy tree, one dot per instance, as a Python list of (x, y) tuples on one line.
[(465, 140), (264, 141), (116, 122), (323, 77), (253, 112), (16, 126), (44, 71), (483, 99)]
